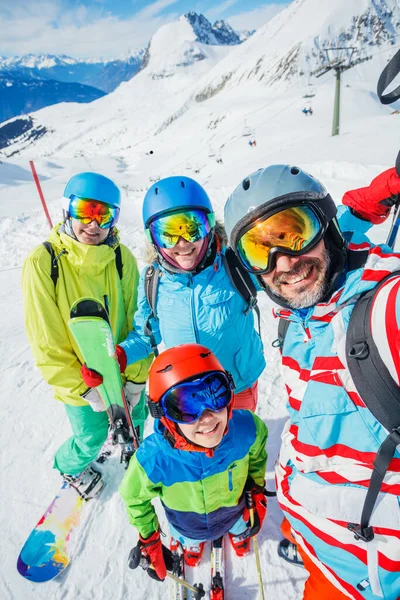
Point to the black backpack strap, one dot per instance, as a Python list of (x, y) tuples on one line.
[(118, 260), (379, 392), (283, 326), (54, 262), (242, 282), (151, 280), (356, 259)]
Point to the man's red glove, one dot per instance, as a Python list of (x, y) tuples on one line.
[(259, 501), (373, 203), (93, 379)]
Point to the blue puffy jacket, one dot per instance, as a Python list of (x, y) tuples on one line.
[(206, 309)]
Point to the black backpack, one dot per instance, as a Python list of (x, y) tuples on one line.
[(54, 261), (239, 278), (378, 390)]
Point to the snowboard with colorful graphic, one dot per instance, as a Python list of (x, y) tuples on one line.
[(46, 552)]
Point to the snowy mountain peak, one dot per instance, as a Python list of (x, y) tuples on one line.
[(187, 41), (221, 33)]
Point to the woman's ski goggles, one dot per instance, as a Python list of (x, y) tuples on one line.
[(293, 231), (191, 225), (186, 401), (86, 211)]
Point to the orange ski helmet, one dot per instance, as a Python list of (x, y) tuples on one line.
[(182, 364), (177, 364)]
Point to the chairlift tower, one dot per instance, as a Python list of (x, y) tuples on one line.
[(338, 65)]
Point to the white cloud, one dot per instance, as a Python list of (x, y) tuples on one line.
[(154, 9), (47, 27), (217, 11), (254, 19)]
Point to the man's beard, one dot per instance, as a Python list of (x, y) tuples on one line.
[(309, 294)]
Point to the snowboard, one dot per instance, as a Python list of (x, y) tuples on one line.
[(46, 552), (90, 327)]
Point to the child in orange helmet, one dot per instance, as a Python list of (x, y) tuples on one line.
[(200, 460)]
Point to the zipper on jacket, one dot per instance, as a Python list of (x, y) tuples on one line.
[(230, 477), (192, 312), (105, 298)]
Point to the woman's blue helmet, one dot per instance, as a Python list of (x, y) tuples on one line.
[(94, 187), (173, 193)]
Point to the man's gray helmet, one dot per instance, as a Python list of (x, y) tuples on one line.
[(274, 188)]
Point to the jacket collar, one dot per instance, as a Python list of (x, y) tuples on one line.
[(83, 256)]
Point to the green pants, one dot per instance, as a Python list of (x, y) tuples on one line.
[(89, 432)]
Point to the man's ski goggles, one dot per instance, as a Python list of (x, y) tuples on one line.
[(191, 225), (186, 401), (292, 231), (86, 211)]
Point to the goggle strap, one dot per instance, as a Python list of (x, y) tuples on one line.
[(155, 408)]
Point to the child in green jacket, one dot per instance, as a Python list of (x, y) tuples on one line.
[(199, 462)]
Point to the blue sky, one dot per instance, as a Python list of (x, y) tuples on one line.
[(110, 28)]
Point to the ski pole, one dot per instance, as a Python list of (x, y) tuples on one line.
[(250, 506), (391, 239), (136, 559)]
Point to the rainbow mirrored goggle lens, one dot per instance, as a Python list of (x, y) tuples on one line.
[(185, 402), (291, 230), (191, 225), (86, 211)]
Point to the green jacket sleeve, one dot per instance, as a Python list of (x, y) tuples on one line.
[(46, 330), (137, 371), (258, 452), (137, 491)]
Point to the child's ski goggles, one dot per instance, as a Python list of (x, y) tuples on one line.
[(293, 231), (186, 401), (191, 225), (86, 211)]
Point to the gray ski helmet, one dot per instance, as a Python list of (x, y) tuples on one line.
[(270, 188), (274, 188)]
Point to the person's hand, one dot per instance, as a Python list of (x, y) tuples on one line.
[(151, 550), (373, 203), (255, 497), (133, 391), (91, 377), (122, 358), (93, 397)]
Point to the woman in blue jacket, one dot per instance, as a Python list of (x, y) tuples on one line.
[(196, 301)]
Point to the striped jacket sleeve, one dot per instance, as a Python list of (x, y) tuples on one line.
[(385, 325)]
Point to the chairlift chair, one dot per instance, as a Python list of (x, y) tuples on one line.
[(310, 91)]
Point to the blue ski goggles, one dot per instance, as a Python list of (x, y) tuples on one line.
[(186, 401)]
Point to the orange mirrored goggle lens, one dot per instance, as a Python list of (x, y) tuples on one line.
[(291, 229), (86, 211)]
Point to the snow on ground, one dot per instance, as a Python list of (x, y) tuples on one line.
[(33, 425)]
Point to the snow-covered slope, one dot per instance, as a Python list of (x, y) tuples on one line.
[(184, 79)]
